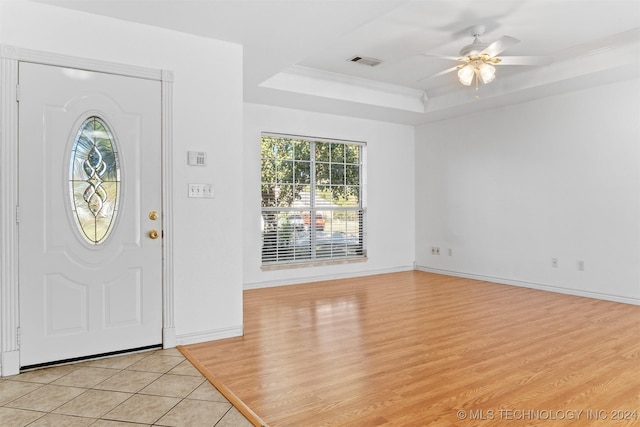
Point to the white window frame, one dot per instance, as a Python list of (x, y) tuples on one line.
[(315, 256)]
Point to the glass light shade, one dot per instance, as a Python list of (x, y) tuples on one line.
[(465, 74), (487, 73)]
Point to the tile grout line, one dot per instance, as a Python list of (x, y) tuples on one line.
[(85, 390), (228, 394), (162, 374), (224, 415), (39, 382)]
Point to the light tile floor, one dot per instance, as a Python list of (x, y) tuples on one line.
[(155, 388)]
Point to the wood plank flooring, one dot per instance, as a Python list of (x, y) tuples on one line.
[(420, 349)]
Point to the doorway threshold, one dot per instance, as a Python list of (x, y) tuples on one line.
[(89, 357)]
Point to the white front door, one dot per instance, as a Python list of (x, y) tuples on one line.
[(89, 179)]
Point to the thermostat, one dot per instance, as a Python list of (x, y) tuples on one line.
[(197, 158)]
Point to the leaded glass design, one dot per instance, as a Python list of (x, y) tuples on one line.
[(94, 180)]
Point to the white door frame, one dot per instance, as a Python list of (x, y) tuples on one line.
[(10, 56)]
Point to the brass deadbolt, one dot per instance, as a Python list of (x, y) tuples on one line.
[(153, 215)]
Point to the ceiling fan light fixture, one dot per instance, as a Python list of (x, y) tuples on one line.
[(487, 72), (466, 74), (479, 60)]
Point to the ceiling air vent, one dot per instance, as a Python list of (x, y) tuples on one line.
[(372, 62)]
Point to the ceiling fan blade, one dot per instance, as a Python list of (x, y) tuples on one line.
[(448, 70), (525, 60), (453, 58), (500, 45)]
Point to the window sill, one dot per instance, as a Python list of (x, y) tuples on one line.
[(314, 263)]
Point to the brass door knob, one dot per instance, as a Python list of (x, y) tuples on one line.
[(153, 234), (153, 215)]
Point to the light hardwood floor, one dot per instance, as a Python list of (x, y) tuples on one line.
[(419, 349)]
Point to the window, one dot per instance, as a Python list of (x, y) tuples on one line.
[(312, 199), (94, 180)]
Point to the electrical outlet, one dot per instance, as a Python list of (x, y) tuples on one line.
[(435, 250), (580, 265), (450, 252), (554, 262)]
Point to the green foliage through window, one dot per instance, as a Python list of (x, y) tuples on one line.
[(312, 199)]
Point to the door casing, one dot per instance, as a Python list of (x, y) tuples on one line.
[(10, 57)]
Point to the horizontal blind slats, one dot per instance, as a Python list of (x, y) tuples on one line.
[(312, 210)]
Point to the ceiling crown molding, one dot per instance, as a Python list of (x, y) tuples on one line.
[(309, 81)]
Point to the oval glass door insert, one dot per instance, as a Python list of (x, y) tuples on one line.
[(94, 180)]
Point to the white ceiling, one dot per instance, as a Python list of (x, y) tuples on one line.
[(296, 52)]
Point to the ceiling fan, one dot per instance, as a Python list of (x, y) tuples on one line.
[(479, 59)]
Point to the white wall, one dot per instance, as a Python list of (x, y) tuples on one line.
[(509, 189), (207, 117), (390, 193)]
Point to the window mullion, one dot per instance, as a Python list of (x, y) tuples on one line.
[(312, 200), (289, 234)]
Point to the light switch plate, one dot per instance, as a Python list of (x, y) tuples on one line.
[(201, 191)]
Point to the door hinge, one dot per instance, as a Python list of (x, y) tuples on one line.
[(17, 93), (17, 214), (18, 336)]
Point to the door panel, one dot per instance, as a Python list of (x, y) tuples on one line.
[(65, 307), (123, 300), (79, 298)]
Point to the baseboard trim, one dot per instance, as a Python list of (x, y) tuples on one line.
[(323, 277), (212, 335), (9, 363), (169, 337), (533, 285)]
